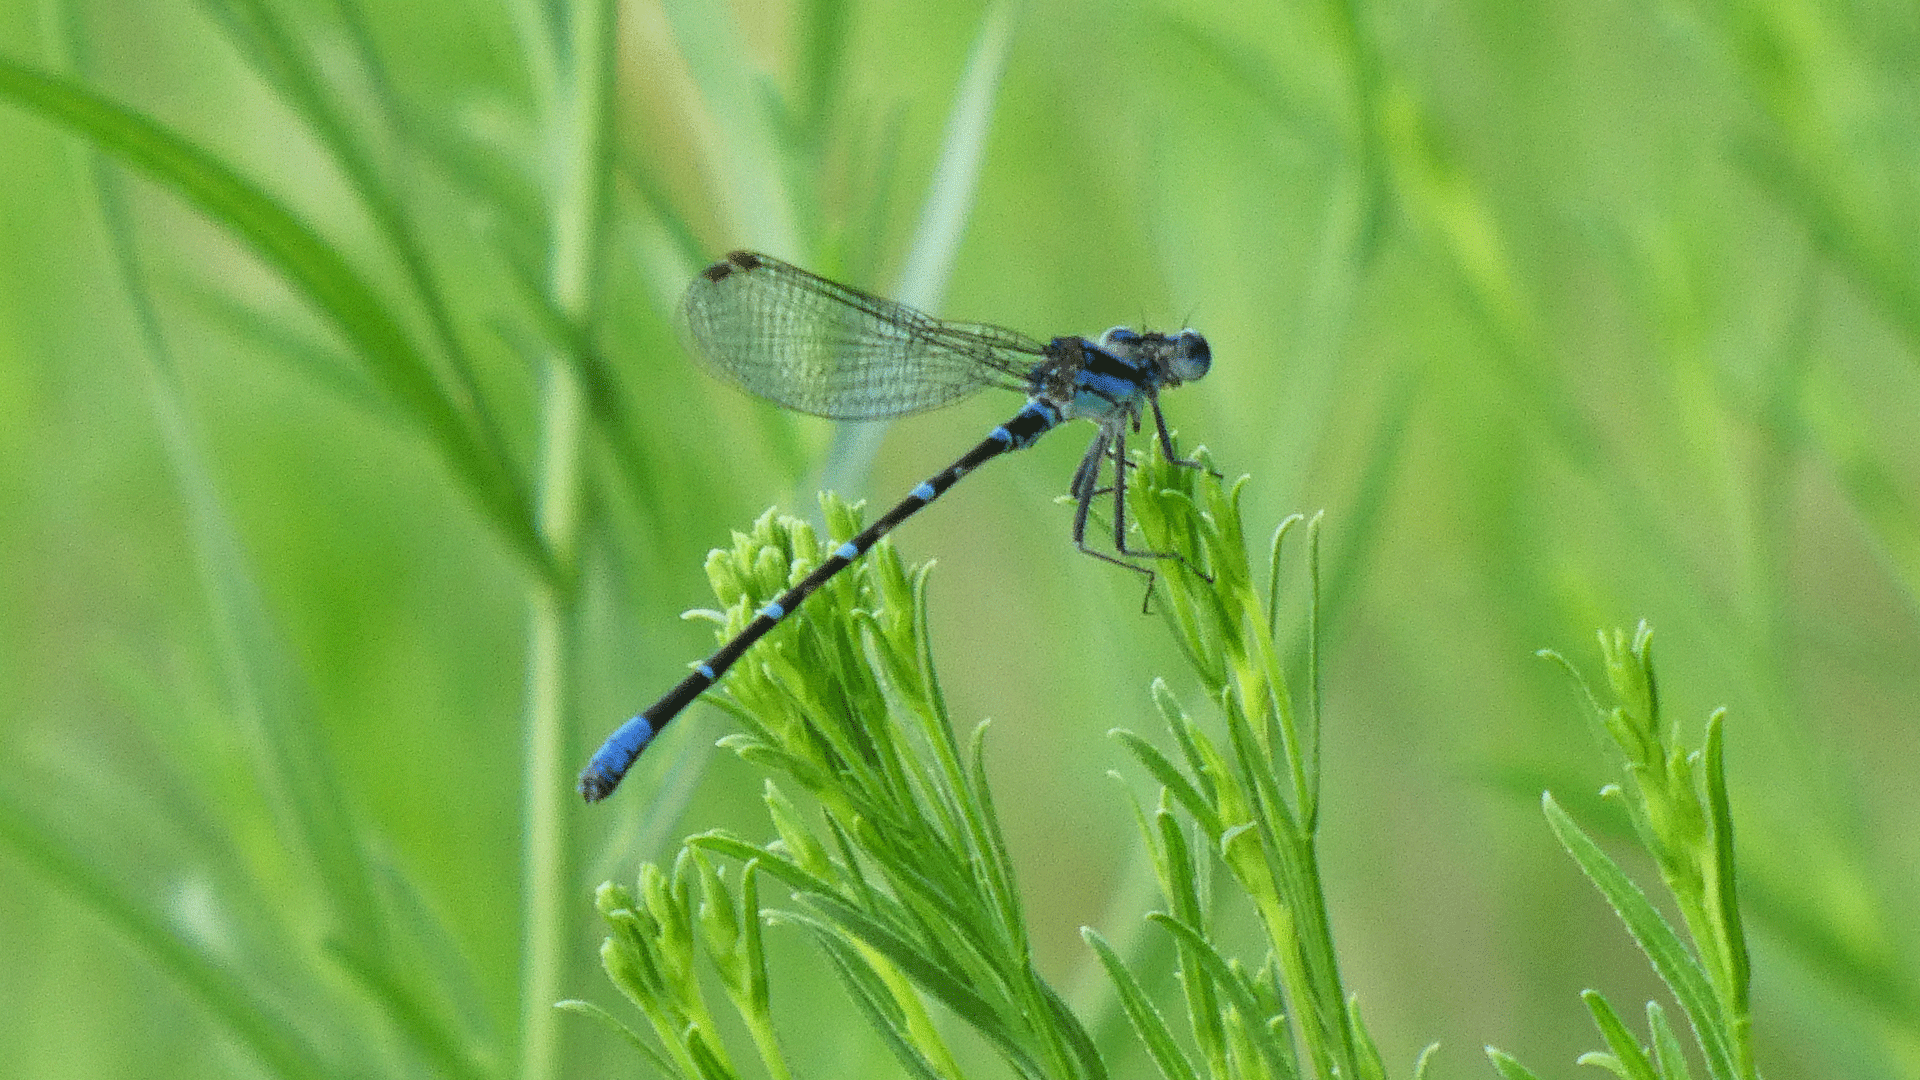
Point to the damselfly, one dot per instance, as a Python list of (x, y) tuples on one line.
[(819, 347)]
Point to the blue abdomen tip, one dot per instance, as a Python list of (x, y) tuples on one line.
[(615, 756)]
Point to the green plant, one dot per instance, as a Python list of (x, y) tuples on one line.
[(905, 885), (329, 954), (1677, 802), (360, 973), (334, 453), (900, 875)]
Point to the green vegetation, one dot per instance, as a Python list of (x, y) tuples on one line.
[(905, 884), (355, 481)]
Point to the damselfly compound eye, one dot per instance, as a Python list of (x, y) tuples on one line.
[(1191, 356)]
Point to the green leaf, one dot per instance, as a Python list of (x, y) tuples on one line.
[(1723, 888), (748, 153), (220, 987), (954, 994), (1669, 956), (1507, 1067), (1629, 1057), (1599, 1060), (1180, 884), (312, 267), (872, 995), (707, 1057), (754, 954), (1067, 1027), (268, 696), (1273, 570), (588, 1008), (795, 877), (268, 693), (936, 237), (390, 989), (1146, 1019), (1666, 1048), (1372, 1066), (943, 215), (1421, 1064), (1171, 778), (1237, 991), (847, 924)]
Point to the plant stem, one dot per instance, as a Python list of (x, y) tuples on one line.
[(578, 126)]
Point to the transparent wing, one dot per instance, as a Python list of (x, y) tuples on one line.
[(820, 347)]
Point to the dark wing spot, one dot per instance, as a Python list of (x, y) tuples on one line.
[(735, 260)]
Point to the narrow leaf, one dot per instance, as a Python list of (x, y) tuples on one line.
[(1425, 1060), (1666, 1047), (969, 1006), (872, 996), (936, 237), (1628, 1054), (1664, 949), (1723, 887), (1171, 778), (1507, 1067), (1146, 1019), (633, 1038), (911, 959), (238, 1004), (1237, 991), (1366, 1051), (311, 266)]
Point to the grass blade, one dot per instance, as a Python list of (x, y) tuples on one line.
[(746, 157), (266, 690), (1146, 1019), (310, 266), (212, 981), (270, 695), (277, 54), (936, 239)]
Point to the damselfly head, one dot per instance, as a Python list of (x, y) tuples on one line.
[(1191, 357), (1181, 357)]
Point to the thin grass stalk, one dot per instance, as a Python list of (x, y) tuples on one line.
[(580, 119), (267, 43), (313, 268), (942, 221)]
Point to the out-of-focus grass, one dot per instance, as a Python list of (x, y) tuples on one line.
[(1566, 313)]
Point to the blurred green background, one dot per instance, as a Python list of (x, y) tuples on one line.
[(1567, 314)]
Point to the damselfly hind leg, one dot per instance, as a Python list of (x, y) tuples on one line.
[(1111, 445)]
